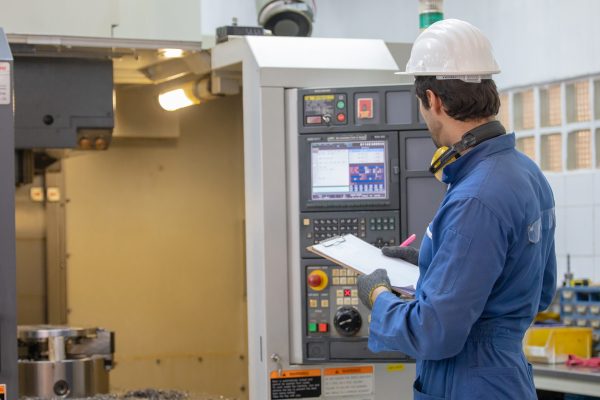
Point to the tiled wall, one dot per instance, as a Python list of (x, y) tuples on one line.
[(572, 165)]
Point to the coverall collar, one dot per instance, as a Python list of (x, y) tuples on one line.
[(459, 168)]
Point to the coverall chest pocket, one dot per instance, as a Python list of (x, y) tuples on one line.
[(445, 265)]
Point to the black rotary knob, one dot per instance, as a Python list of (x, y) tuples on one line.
[(347, 321)]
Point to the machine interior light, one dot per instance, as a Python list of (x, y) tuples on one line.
[(171, 53), (176, 99)]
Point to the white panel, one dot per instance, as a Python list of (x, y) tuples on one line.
[(341, 54), (582, 267), (560, 235), (579, 230), (59, 17), (597, 184), (557, 182), (596, 277), (578, 187), (596, 226), (561, 269), (156, 19), (390, 20)]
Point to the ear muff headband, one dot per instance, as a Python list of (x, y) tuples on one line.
[(444, 155)]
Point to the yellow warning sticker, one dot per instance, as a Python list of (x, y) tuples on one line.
[(395, 368)]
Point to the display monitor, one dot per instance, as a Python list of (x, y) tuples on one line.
[(355, 170)]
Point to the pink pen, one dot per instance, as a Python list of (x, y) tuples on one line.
[(408, 241)]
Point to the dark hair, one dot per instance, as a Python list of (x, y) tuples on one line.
[(462, 101)]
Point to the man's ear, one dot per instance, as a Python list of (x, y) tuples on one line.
[(435, 103)]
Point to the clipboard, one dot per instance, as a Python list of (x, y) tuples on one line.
[(351, 252)]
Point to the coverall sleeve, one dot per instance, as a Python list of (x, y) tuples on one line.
[(549, 279), (469, 246)]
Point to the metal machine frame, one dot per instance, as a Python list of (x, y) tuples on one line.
[(268, 66), (8, 307)]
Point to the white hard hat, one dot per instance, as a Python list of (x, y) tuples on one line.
[(452, 49)]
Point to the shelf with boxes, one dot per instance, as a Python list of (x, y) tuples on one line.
[(580, 306)]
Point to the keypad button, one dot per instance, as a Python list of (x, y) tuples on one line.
[(343, 272), (343, 281), (339, 293), (355, 301), (324, 303), (339, 301), (312, 303), (354, 292), (336, 280), (335, 272), (347, 301)]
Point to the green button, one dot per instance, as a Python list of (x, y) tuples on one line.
[(341, 104), (312, 327)]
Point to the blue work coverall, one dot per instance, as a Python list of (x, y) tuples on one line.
[(487, 266)]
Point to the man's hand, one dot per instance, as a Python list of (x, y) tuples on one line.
[(408, 254), (372, 285)]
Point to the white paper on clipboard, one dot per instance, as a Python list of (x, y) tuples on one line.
[(352, 252)]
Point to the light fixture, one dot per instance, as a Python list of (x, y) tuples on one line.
[(187, 94), (180, 97), (171, 53), (286, 17)]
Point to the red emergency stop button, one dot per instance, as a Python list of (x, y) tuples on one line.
[(341, 117), (317, 280), (324, 327)]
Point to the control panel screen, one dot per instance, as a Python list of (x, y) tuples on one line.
[(354, 170)]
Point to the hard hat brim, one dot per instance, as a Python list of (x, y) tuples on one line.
[(448, 73)]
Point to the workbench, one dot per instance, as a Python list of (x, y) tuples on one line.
[(565, 379)]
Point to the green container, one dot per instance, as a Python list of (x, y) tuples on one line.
[(428, 18)]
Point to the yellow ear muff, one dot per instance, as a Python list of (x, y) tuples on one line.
[(437, 160)]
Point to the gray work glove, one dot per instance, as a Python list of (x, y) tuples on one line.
[(368, 283), (408, 254)]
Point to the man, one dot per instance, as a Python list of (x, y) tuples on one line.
[(487, 261)]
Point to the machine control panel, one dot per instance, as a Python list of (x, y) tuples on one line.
[(335, 318), (380, 228), (325, 109), (362, 169)]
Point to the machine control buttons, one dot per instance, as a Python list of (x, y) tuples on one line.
[(306, 221), (323, 327), (341, 104), (313, 303), (317, 280), (341, 117), (347, 321), (312, 327), (324, 303)]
